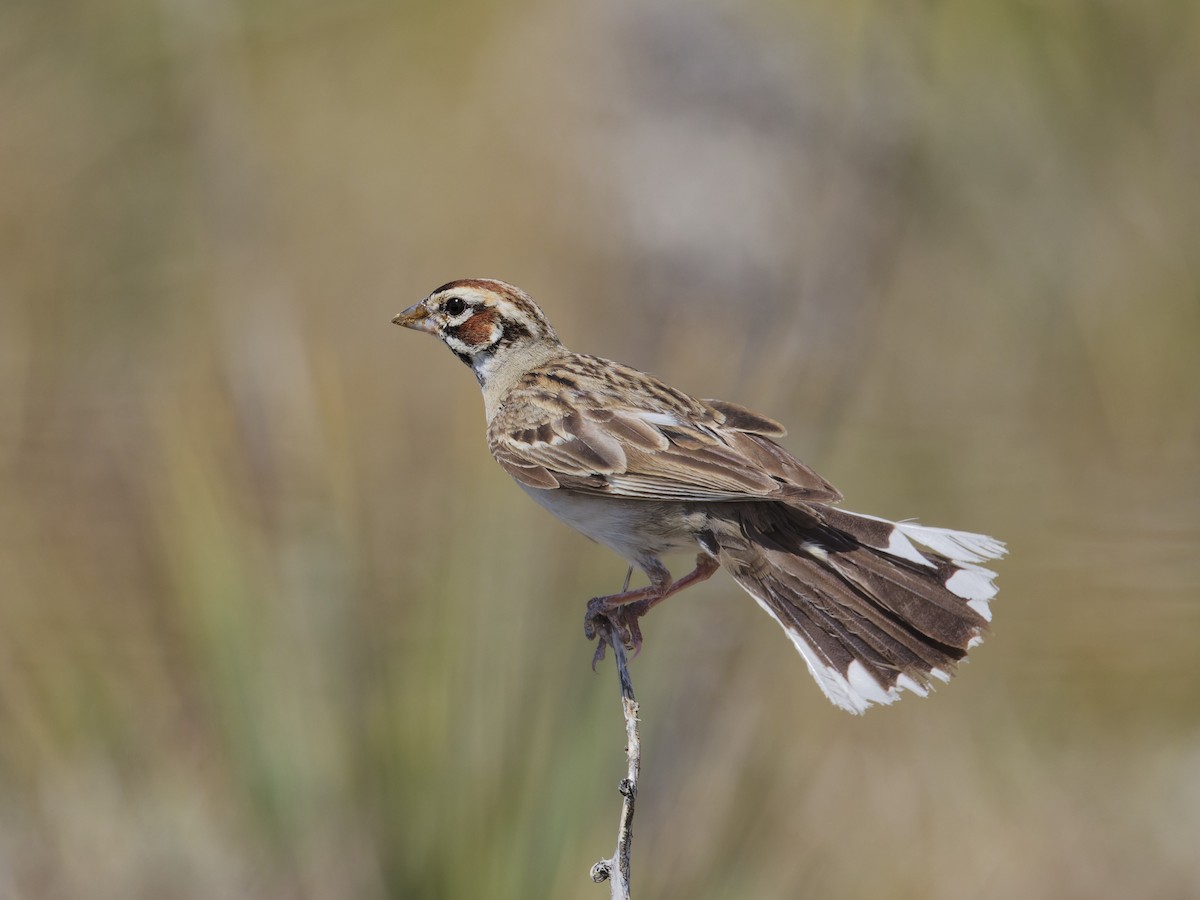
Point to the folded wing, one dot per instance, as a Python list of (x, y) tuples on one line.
[(653, 444)]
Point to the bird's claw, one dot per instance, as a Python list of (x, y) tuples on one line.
[(604, 625)]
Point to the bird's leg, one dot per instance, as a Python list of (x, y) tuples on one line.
[(705, 567), (620, 612)]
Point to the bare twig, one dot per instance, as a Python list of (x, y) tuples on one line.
[(615, 870)]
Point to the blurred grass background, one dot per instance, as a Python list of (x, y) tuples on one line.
[(273, 625)]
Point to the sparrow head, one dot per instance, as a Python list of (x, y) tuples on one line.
[(480, 318)]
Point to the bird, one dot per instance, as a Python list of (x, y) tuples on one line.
[(874, 607)]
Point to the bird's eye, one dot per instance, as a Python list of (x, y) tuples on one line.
[(455, 306)]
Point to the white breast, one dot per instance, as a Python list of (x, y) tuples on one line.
[(636, 529)]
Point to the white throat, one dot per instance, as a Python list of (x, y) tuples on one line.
[(483, 364)]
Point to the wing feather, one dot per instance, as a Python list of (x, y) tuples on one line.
[(742, 419), (630, 435)]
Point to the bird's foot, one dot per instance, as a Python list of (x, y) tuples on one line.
[(606, 622), (616, 616)]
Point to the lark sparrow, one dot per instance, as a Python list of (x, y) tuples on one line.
[(874, 607)]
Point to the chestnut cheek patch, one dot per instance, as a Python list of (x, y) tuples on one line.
[(479, 330)]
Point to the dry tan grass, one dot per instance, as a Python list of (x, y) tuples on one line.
[(272, 624)]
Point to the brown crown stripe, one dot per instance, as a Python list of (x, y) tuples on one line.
[(483, 284)]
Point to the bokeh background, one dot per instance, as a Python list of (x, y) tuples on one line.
[(272, 623)]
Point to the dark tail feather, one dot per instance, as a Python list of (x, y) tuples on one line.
[(874, 607)]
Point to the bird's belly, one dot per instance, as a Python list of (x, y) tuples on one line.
[(636, 529)]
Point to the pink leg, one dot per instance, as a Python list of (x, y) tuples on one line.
[(620, 612), (706, 566)]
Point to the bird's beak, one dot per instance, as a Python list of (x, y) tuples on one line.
[(416, 318)]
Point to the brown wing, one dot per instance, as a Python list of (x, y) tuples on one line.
[(629, 435)]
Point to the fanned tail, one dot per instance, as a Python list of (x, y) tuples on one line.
[(874, 607)]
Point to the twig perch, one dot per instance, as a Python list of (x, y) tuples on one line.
[(615, 870)]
